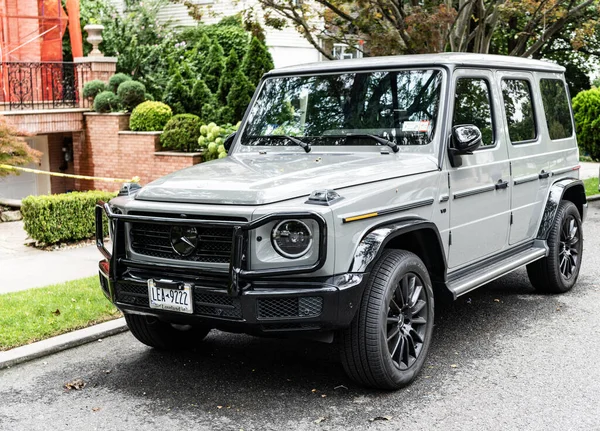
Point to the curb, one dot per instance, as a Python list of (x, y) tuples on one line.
[(61, 342), (593, 198)]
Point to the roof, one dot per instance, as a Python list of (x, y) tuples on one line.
[(487, 61)]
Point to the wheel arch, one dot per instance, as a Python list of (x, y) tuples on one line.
[(570, 189), (418, 236)]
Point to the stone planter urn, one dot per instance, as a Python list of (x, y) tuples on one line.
[(94, 32)]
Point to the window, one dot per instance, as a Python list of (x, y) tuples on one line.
[(519, 110), (556, 107), (472, 105), (341, 51)]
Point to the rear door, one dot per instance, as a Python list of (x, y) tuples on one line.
[(479, 197)]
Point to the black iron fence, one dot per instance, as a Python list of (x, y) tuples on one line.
[(43, 85)]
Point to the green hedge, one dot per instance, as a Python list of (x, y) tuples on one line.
[(63, 217), (150, 117)]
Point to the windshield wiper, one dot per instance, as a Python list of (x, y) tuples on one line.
[(305, 145), (379, 139)]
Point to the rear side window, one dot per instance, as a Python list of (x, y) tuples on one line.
[(556, 108), (472, 105), (519, 110)]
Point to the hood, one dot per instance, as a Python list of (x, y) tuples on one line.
[(258, 179)]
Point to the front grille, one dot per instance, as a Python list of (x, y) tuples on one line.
[(275, 308), (205, 303), (214, 245)]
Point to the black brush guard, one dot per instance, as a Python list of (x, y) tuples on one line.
[(238, 276)]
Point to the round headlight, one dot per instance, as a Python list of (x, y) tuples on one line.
[(291, 238)]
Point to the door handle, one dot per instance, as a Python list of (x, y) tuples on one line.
[(543, 175), (501, 184)]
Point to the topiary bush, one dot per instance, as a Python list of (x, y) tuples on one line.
[(150, 117), (63, 217), (93, 88), (107, 101), (116, 80), (181, 133), (586, 109), (131, 93)]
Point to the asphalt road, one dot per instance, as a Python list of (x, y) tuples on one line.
[(503, 358)]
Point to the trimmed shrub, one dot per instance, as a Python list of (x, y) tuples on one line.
[(64, 217), (131, 93), (93, 88), (586, 110), (150, 117), (181, 133), (107, 101), (116, 80)]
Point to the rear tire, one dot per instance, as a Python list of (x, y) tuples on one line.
[(162, 335), (387, 342), (558, 272)]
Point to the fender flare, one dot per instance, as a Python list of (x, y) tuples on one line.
[(371, 246), (556, 194)]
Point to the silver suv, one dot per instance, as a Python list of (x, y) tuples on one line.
[(353, 194)]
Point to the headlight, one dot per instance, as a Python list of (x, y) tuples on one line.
[(292, 238)]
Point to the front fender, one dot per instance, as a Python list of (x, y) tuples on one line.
[(372, 245)]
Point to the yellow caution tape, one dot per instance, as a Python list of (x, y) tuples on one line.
[(79, 177)]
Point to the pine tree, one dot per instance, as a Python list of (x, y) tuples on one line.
[(204, 101), (177, 94), (239, 96), (197, 56), (213, 67), (257, 61), (228, 77)]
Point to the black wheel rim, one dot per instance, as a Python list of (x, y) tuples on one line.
[(568, 257), (406, 321)]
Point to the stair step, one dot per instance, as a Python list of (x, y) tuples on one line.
[(473, 280)]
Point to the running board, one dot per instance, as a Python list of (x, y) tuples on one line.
[(473, 280)]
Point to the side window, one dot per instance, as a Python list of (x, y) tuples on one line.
[(519, 110), (472, 105), (556, 108)]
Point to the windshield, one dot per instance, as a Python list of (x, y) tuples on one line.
[(346, 109)]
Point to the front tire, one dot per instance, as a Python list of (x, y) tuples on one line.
[(387, 342), (162, 335), (558, 272)]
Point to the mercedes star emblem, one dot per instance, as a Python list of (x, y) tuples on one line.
[(184, 239)]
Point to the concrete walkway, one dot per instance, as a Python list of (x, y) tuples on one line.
[(23, 267), (588, 170)]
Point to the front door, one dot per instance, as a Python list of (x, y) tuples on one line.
[(479, 194)]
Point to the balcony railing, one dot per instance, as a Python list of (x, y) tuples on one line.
[(44, 85)]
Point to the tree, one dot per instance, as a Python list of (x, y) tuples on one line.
[(513, 27), (14, 151), (204, 101), (228, 77), (177, 94), (240, 95), (257, 61), (586, 110), (213, 67)]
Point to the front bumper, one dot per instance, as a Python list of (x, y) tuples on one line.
[(237, 299), (263, 306)]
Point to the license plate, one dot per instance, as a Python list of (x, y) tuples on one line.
[(170, 296)]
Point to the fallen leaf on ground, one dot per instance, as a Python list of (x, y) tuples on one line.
[(57, 312), (95, 409), (496, 300), (313, 391), (453, 366), (219, 407), (381, 418), (318, 421), (76, 384)]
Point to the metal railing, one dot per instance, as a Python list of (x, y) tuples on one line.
[(43, 85)]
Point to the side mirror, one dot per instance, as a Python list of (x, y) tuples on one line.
[(228, 141), (465, 139)]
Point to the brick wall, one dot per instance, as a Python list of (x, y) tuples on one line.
[(47, 121), (56, 158), (109, 150)]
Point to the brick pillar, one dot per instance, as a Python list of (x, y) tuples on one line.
[(91, 68)]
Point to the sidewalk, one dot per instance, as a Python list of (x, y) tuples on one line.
[(588, 170), (23, 267)]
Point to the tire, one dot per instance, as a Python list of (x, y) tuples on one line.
[(162, 335), (558, 272), (387, 342)]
